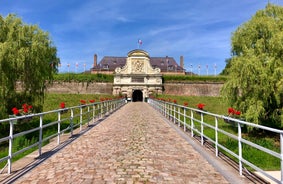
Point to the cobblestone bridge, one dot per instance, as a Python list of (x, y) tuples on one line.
[(133, 145)]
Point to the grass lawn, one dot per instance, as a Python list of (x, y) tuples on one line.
[(217, 105)]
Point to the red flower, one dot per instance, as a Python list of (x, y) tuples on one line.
[(91, 101), (83, 101), (201, 106), (186, 104), (238, 113), (62, 105), (25, 110), (231, 111), (175, 101), (15, 111)]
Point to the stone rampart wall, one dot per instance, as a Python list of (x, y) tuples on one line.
[(81, 87), (189, 89), (193, 89)]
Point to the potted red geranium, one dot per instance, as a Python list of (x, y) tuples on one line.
[(26, 110), (186, 104), (63, 106), (233, 113)]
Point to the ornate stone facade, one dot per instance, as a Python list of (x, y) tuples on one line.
[(137, 79)]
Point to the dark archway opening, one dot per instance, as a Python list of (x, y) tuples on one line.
[(137, 96)]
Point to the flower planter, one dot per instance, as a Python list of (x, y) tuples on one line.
[(64, 111), (26, 120), (231, 122)]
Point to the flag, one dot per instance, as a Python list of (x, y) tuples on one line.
[(139, 41)]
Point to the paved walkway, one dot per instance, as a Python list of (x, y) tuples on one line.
[(133, 145)]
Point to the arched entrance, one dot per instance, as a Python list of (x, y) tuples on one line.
[(137, 96)]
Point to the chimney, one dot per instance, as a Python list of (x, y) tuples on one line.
[(182, 61), (94, 60)]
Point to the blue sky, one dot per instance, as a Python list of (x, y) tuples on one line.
[(198, 30)]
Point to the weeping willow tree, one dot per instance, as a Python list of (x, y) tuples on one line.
[(255, 84), (27, 58)]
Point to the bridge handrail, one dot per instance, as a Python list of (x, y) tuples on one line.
[(86, 113), (184, 116)]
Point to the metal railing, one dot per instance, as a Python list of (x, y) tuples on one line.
[(209, 127), (71, 117)]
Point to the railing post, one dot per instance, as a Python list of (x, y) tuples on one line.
[(174, 114), (216, 136), (59, 127), (185, 124), (93, 113), (240, 147), (165, 109), (192, 123), (81, 117), (201, 126), (179, 114), (101, 109), (107, 107), (88, 118), (11, 137), (71, 121), (40, 134), (281, 152)]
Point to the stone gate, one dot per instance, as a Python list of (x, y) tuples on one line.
[(137, 79)]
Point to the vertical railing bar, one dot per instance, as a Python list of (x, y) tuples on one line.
[(11, 137), (71, 121), (201, 126), (185, 124), (88, 116), (174, 114), (59, 127), (216, 136), (240, 147), (81, 117), (40, 134), (281, 159), (192, 123), (93, 113), (101, 109), (179, 114)]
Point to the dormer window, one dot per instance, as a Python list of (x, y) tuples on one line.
[(115, 62), (162, 62), (105, 66), (170, 67)]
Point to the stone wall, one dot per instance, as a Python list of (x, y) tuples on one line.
[(189, 89), (81, 87), (193, 89)]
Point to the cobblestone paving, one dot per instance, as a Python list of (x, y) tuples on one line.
[(133, 145)]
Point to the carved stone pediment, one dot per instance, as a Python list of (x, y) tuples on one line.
[(138, 62)]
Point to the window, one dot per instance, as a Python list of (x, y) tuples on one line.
[(171, 67), (106, 66)]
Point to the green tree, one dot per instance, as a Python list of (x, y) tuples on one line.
[(255, 84), (228, 65), (28, 56)]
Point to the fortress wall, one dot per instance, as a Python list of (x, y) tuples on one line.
[(80, 87), (193, 89), (189, 89)]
